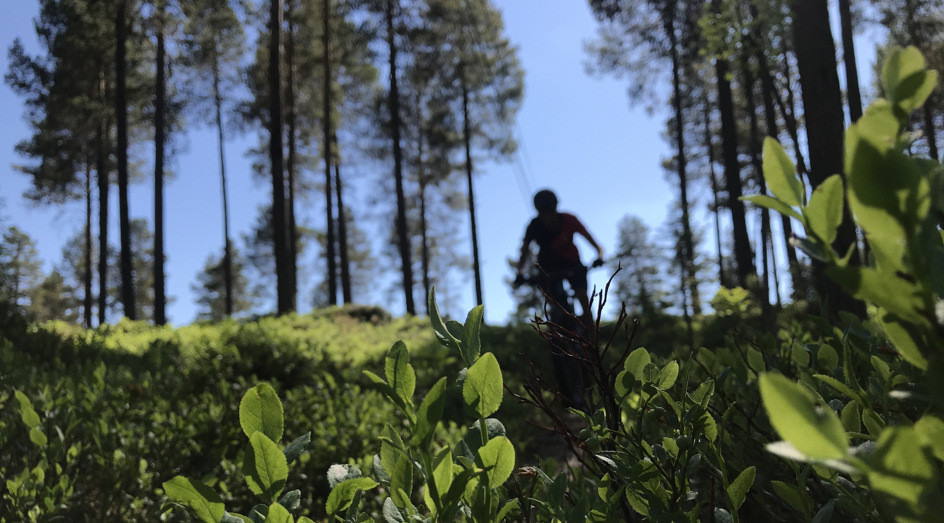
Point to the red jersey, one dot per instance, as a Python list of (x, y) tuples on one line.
[(556, 243)]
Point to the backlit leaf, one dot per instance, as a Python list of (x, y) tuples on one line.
[(202, 500), (824, 212), (265, 467), (780, 174), (399, 372), (815, 430), (343, 494), (261, 411), (430, 411), (739, 488), (482, 389), (498, 459)]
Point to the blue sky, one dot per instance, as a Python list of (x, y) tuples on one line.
[(578, 135)]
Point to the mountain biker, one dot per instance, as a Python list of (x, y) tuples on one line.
[(558, 257)]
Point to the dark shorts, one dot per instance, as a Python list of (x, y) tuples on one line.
[(574, 273)]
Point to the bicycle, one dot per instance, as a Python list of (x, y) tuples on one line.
[(565, 332)]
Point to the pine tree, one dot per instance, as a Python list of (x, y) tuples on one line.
[(19, 266), (213, 44), (54, 299), (221, 295)]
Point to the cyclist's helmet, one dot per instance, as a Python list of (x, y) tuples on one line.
[(545, 201)]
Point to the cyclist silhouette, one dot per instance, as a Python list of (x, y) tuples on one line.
[(558, 257)]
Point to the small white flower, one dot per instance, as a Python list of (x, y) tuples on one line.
[(336, 474)]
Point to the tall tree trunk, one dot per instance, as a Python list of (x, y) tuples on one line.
[(160, 317), (101, 169), (424, 238), (755, 148), (227, 246), (854, 98), (342, 237), (87, 252), (121, 112), (743, 255), (332, 275), (768, 92), (714, 192), (467, 139), (822, 108), (279, 233), (927, 109), (402, 239), (291, 112), (688, 247)]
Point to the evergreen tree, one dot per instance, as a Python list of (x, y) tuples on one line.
[(638, 285), (142, 274), (220, 295), (213, 44), (19, 266), (54, 299), (483, 81)]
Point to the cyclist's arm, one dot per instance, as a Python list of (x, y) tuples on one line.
[(586, 234), (523, 256)]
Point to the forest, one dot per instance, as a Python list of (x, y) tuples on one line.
[(776, 361)]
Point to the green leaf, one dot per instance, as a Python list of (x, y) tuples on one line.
[(446, 339), (873, 422), (38, 437), (395, 462), (931, 430), (827, 358), (702, 394), (291, 500), (279, 514), (903, 475), (815, 430), (498, 460), (772, 203), (650, 373), (825, 514), (391, 513), (399, 372), (472, 341), (900, 334), (296, 447), (636, 362), (441, 478), (881, 367), (265, 467), (343, 494), (838, 385), (780, 174), (668, 375), (850, 417), (261, 411), (799, 355), (507, 509), (27, 413), (886, 290), (824, 212), (756, 359), (482, 389), (430, 412), (202, 500), (792, 494), (739, 488), (907, 82)]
